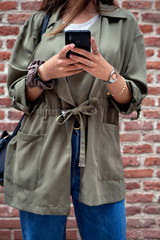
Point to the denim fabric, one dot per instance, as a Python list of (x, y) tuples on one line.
[(104, 222)]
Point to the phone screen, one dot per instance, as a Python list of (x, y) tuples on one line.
[(81, 39)]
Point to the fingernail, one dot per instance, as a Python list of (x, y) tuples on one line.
[(72, 45)]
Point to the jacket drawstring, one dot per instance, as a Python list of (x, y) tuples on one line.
[(86, 108)]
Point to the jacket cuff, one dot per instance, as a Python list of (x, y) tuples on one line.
[(135, 103), (19, 100)]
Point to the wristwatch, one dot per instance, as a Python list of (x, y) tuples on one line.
[(113, 76)]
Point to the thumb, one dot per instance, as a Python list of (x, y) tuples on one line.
[(65, 49)]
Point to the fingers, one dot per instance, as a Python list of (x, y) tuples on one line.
[(94, 46), (83, 52), (70, 73), (81, 60), (65, 49)]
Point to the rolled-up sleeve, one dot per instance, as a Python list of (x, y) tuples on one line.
[(23, 49), (135, 76)]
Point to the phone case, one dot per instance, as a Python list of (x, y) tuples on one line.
[(81, 39)]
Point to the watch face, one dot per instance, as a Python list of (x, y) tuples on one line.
[(114, 76)]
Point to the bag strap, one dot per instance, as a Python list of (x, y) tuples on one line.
[(44, 24), (43, 29)]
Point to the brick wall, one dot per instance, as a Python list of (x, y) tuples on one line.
[(140, 140)]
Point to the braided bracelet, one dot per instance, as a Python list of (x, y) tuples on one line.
[(119, 93), (34, 80)]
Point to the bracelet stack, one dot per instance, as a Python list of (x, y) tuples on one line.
[(119, 93), (34, 79)]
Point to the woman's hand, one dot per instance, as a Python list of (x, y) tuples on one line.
[(59, 65), (92, 63), (97, 66)]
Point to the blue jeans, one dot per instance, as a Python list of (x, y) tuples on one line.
[(104, 222)]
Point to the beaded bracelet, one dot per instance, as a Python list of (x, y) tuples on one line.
[(119, 93)]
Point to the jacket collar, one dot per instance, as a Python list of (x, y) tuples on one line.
[(107, 11)]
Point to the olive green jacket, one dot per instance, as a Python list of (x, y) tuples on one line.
[(38, 161)]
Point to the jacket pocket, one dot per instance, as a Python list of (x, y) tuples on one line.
[(110, 165), (22, 160)]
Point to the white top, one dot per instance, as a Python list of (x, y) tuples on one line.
[(82, 26)]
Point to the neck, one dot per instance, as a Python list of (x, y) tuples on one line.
[(86, 15)]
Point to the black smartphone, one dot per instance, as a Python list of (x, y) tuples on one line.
[(81, 39)]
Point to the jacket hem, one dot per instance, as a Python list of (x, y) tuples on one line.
[(42, 210), (18, 201), (103, 199)]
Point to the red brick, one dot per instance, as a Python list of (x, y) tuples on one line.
[(137, 4), (5, 55), (10, 223), (150, 78), (132, 210), (2, 115), (8, 30), (2, 90), (129, 137), (151, 186), (5, 102), (139, 197), (158, 150), (18, 18), (1, 189), (138, 125), (4, 211), (158, 126), (146, 28), (149, 53), (35, 5), (138, 173), (71, 223), (158, 173), (136, 14), (7, 5), (71, 235), (151, 234), (1, 44), (0, 17), (1, 198), (149, 101), (138, 149), (158, 55), (10, 43), (158, 30), (15, 212), (132, 185), (152, 137), (158, 78), (8, 126), (140, 223), (152, 210), (14, 115), (5, 235), (152, 114), (130, 161), (133, 234), (17, 235), (152, 41), (152, 161), (3, 78), (151, 17), (157, 4), (1, 67)]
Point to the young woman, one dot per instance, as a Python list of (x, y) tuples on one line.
[(68, 143)]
